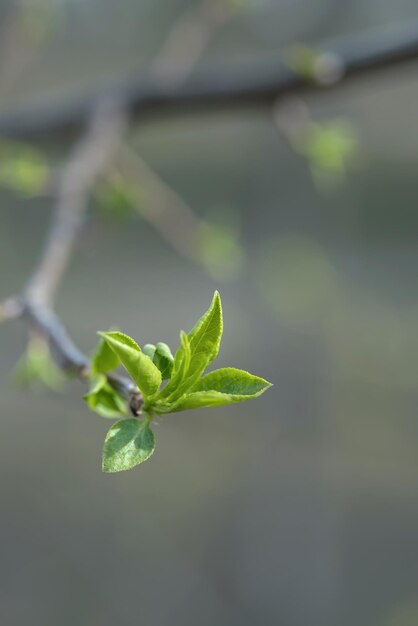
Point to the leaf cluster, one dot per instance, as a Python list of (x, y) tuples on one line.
[(130, 441)]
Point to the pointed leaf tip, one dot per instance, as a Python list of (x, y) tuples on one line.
[(223, 386)]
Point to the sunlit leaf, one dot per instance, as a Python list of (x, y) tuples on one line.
[(128, 443), (104, 359), (143, 371), (205, 337), (204, 341), (223, 386), (232, 381)]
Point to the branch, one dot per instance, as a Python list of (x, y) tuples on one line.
[(89, 157), (187, 40), (226, 88), (163, 207)]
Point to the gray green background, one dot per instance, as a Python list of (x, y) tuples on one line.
[(300, 508)]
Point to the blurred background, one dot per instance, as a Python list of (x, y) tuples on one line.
[(299, 509)]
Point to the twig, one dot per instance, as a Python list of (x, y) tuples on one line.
[(225, 88), (162, 207), (89, 157), (186, 43)]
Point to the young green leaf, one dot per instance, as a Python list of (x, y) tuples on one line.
[(205, 337), (128, 443), (163, 359), (233, 381), (223, 386), (104, 359), (105, 400), (143, 371), (181, 366), (182, 356), (204, 341), (149, 350)]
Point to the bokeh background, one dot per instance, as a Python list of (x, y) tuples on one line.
[(298, 509)]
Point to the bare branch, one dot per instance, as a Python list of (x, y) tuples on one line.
[(88, 159), (186, 42), (162, 207), (149, 97)]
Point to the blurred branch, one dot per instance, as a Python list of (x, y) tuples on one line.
[(183, 48), (226, 88), (89, 157), (162, 207)]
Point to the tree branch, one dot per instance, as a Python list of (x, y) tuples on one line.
[(163, 207), (89, 157), (152, 97), (226, 88)]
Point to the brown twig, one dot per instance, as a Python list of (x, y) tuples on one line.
[(89, 157), (162, 207)]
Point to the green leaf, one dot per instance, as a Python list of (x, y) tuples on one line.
[(233, 381), (181, 366), (149, 350), (182, 356), (205, 337), (105, 400), (204, 340), (223, 386), (104, 359), (143, 371), (128, 443), (163, 359)]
